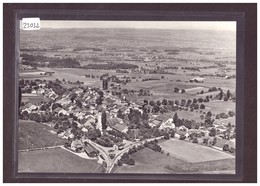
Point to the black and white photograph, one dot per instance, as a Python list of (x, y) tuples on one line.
[(128, 97)]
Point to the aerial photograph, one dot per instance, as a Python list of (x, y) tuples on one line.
[(142, 97)]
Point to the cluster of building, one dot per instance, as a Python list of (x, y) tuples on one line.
[(88, 113)]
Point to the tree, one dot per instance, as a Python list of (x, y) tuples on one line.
[(205, 141), (104, 120), (175, 118), (195, 140), (212, 132), (221, 94), (183, 102), (226, 147), (79, 103), (231, 113), (158, 103), (101, 93), (99, 101), (225, 98), (182, 137), (209, 114), (200, 100), (120, 114), (202, 106), (131, 161), (145, 116), (105, 84), (176, 90), (228, 94), (182, 91), (166, 136), (119, 163), (214, 141), (232, 150), (152, 103), (73, 97), (170, 102), (164, 102)]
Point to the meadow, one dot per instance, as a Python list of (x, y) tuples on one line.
[(192, 153), (36, 135), (149, 161), (56, 160)]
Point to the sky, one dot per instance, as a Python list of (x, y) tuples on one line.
[(177, 25)]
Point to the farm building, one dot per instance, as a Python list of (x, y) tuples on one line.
[(77, 145), (120, 128), (90, 151), (114, 121), (120, 145), (29, 107), (88, 120)]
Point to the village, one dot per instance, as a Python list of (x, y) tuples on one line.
[(106, 126)]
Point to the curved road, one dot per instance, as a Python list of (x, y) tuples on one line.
[(111, 162)]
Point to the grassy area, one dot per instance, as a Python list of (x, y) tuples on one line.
[(55, 160), (225, 166), (221, 106), (194, 115), (33, 98), (149, 161), (36, 135), (192, 153)]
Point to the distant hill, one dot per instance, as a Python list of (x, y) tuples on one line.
[(130, 39)]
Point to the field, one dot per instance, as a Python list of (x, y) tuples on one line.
[(148, 161), (33, 98), (55, 160), (189, 115), (225, 166), (36, 135), (220, 106), (192, 153)]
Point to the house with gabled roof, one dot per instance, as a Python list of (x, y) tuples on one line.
[(29, 107), (168, 124), (77, 145), (88, 121), (114, 121), (125, 110), (119, 127), (90, 150)]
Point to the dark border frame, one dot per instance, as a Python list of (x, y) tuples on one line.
[(244, 14)]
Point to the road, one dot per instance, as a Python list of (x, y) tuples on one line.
[(111, 162)]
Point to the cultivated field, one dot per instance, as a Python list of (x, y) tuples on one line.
[(55, 160), (192, 153), (36, 135)]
